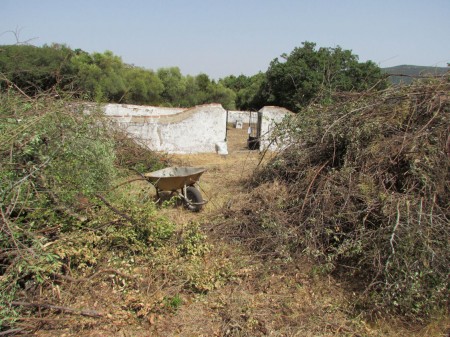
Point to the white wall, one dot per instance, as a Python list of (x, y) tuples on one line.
[(234, 115), (172, 130), (193, 130), (271, 117), (124, 112)]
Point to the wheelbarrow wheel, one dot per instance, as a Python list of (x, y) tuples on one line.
[(194, 201)]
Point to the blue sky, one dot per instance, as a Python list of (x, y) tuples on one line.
[(233, 37)]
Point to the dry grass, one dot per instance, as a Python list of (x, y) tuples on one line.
[(258, 296), (225, 176)]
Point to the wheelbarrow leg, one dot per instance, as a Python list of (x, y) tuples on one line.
[(158, 198)]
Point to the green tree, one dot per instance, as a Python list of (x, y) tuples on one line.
[(246, 90), (174, 85), (308, 73), (219, 94), (211, 92), (36, 69), (142, 86), (100, 75), (191, 91)]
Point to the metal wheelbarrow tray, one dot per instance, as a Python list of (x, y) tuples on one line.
[(181, 179)]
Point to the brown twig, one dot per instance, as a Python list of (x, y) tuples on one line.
[(15, 86), (86, 312), (115, 210), (127, 182), (101, 271), (11, 332), (310, 186)]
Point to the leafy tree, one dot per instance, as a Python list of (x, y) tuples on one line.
[(104, 77), (307, 74), (190, 91), (246, 90), (298, 78), (36, 69), (101, 74), (220, 94), (142, 86), (174, 85), (203, 82), (211, 92), (202, 90)]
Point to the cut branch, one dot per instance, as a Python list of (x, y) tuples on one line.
[(115, 210), (87, 312)]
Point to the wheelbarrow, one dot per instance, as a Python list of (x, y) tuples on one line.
[(179, 181)]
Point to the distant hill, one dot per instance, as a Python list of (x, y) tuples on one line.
[(408, 72)]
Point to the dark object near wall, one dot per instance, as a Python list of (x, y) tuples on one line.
[(253, 143)]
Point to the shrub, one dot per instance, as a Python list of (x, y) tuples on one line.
[(367, 181), (57, 162)]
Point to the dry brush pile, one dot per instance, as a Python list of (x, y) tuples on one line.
[(59, 213), (83, 245), (363, 187)]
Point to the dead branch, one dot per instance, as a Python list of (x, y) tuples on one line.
[(115, 210), (87, 312), (11, 332), (127, 182), (310, 186), (101, 271), (4, 78)]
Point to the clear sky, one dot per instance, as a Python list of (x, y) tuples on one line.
[(233, 37)]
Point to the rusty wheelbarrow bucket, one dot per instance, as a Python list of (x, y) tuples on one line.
[(180, 181)]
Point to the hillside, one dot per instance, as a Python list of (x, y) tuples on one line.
[(408, 72)]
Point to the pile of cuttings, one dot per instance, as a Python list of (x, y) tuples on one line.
[(363, 187)]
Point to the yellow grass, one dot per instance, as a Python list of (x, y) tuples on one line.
[(260, 298)]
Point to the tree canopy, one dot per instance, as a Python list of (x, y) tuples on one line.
[(104, 77), (306, 74)]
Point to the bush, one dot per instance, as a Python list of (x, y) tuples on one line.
[(57, 164), (367, 181)]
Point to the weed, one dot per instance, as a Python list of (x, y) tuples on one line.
[(173, 303), (192, 242)]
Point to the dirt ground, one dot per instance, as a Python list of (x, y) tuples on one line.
[(243, 294)]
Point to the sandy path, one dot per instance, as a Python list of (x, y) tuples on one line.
[(224, 178)]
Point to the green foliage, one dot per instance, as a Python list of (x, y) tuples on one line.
[(307, 74), (8, 314), (147, 229), (192, 241), (57, 164), (174, 84), (51, 156), (190, 91), (101, 74), (34, 69), (246, 89), (104, 77), (142, 86), (173, 303), (145, 233)]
